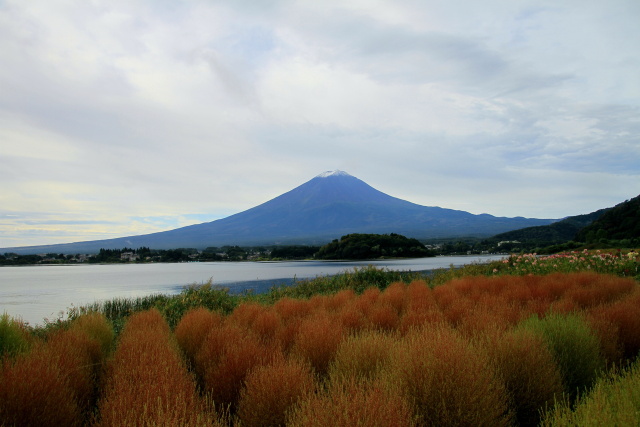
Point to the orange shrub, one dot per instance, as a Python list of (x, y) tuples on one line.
[(148, 382), (289, 308), (368, 298), (449, 381), (317, 340), (266, 325), (395, 295), (420, 296), (352, 318), (35, 392), (271, 390), (416, 319), (97, 327), (348, 403), (226, 356), (79, 358), (383, 316), (339, 300), (625, 315), (193, 328)]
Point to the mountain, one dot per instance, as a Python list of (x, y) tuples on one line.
[(619, 222), (328, 206), (558, 232)]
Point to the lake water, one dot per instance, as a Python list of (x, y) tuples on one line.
[(34, 293)]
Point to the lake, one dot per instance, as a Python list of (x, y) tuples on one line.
[(34, 293)]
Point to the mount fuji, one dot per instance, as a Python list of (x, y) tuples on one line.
[(328, 206)]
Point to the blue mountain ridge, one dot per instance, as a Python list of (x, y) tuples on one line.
[(325, 208)]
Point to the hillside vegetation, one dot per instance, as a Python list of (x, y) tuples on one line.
[(371, 246), (524, 341)]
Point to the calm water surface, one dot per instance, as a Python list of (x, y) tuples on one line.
[(34, 293)]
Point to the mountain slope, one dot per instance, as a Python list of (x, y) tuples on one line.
[(558, 232), (328, 206), (620, 222)]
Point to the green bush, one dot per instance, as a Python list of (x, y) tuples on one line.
[(13, 337), (575, 348), (614, 401)]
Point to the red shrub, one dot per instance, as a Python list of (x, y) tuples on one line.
[(266, 325), (289, 308), (35, 392), (416, 318), (339, 300), (271, 390), (368, 298), (78, 358), (193, 328), (148, 381), (352, 318), (625, 314), (395, 296), (383, 316), (223, 380), (214, 345), (245, 314), (317, 340), (419, 296)]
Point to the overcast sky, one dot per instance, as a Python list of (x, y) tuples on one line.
[(127, 117)]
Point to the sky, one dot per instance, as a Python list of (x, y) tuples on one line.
[(127, 117)]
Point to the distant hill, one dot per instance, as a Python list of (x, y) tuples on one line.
[(618, 223), (330, 205), (558, 232), (370, 246)]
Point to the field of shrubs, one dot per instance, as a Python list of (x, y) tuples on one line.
[(476, 346)]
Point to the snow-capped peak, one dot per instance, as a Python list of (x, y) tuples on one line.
[(336, 172)]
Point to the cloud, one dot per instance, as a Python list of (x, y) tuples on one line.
[(120, 118)]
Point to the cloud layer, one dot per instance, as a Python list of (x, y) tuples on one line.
[(128, 117)]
